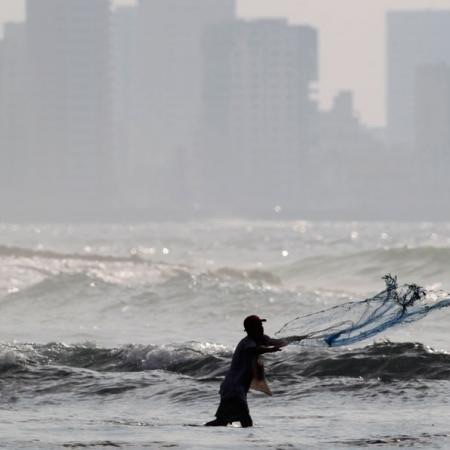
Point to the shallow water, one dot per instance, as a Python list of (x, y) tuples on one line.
[(117, 336)]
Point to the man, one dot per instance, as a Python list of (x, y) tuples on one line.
[(245, 370)]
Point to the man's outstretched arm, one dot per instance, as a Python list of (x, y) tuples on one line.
[(261, 349), (294, 339)]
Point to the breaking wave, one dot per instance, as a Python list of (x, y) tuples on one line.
[(353, 272), (134, 269), (386, 360)]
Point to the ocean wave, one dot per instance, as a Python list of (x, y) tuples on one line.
[(11, 359), (263, 276), (221, 272), (21, 252), (38, 269), (96, 292), (385, 361), (355, 270), (356, 273), (25, 270)]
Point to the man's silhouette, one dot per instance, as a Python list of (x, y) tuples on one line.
[(243, 371)]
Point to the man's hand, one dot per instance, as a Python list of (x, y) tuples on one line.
[(292, 339)]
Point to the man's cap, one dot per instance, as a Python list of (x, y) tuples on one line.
[(252, 320)]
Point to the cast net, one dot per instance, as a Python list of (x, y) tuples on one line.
[(352, 322)]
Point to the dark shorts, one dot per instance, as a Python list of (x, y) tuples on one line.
[(233, 409)]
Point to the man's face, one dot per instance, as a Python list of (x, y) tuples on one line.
[(257, 329), (260, 328)]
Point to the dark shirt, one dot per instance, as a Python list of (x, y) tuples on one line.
[(239, 377)]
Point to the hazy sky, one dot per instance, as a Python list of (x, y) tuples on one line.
[(351, 41)]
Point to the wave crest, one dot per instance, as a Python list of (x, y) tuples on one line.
[(386, 360)]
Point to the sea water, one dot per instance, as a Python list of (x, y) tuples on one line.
[(118, 336)]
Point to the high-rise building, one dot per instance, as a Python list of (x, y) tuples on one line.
[(68, 51), (15, 169), (259, 118), (432, 122), (167, 95), (123, 40), (351, 177), (414, 38)]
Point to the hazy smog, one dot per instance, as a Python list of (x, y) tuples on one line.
[(181, 109)]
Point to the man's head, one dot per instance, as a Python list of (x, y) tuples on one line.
[(253, 326)]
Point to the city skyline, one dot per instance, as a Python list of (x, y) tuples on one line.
[(352, 47), (181, 108)]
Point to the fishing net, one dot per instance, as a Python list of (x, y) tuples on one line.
[(352, 322)]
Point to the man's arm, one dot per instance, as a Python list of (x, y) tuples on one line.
[(275, 342), (268, 341), (261, 349), (295, 339)]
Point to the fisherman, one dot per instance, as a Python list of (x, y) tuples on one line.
[(246, 370)]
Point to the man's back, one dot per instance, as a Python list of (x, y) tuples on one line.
[(239, 376)]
